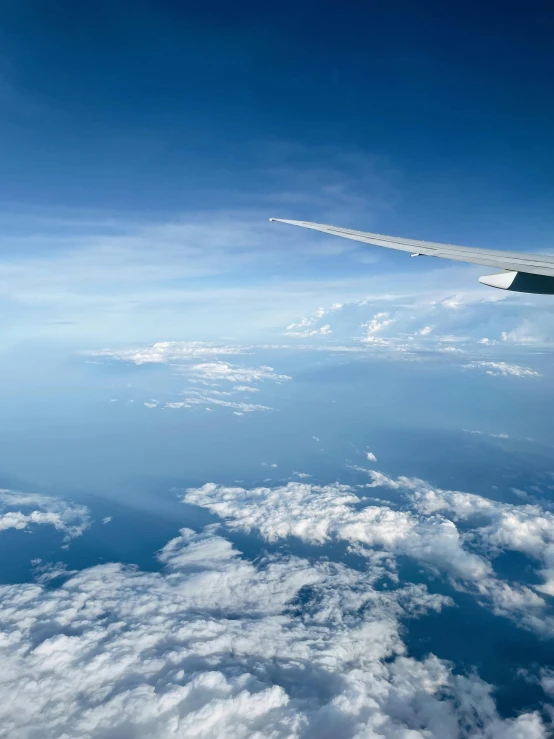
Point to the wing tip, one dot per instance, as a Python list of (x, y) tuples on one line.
[(286, 220)]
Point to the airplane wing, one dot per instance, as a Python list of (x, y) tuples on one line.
[(522, 272)]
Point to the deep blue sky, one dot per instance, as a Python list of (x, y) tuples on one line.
[(167, 105)]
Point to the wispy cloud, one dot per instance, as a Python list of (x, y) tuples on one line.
[(226, 273), (503, 369), (166, 352), (207, 399), (231, 373), (207, 377)]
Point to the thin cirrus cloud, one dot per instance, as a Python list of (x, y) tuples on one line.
[(84, 269), (157, 654), (90, 267), (81, 266)]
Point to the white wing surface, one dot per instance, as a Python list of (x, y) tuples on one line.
[(516, 265)]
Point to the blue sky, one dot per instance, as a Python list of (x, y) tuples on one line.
[(254, 479), (157, 107), (146, 144)]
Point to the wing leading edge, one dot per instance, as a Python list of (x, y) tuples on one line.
[(523, 272)]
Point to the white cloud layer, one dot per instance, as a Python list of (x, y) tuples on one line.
[(324, 330), (426, 531), (74, 272), (208, 399), (448, 330), (23, 511), (165, 352), (210, 374), (216, 645), (503, 369), (414, 327), (218, 371)]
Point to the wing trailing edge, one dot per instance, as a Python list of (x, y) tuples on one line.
[(521, 271)]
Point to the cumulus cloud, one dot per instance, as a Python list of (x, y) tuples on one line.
[(379, 322), (424, 327), (503, 369), (499, 526), (216, 645), (303, 323), (321, 331), (319, 514), (304, 326), (371, 457), (428, 531), (411, 328), (525, 333), (23, 511), (452, 349)]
